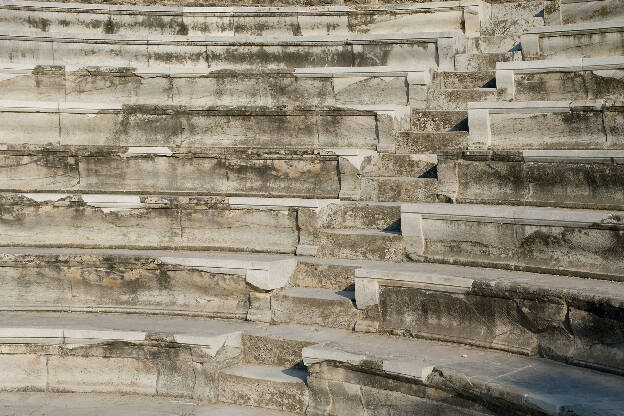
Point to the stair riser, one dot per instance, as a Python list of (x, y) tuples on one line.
[(60, 224), (382, 246), (289, 397), (434, 121), (484, 62), (211, 175), (458, 99), (573, 245), (127, 87), (572, 185), (273, 351), (256, 22), (178, 126), (583, 128), (114, 367), (423, 142), (399, 189), (465, 80), (591, 11), (121, 285), (562, 45), (286, 309), (513, 319), (579, 85), (201, 55)]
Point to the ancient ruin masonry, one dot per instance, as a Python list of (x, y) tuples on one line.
[(320, 208)]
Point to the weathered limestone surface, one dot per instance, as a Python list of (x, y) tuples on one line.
[(142, 170), (264, 386), (546, 125), (584, 40), (196, 126), (435, 49), (573, 178), (197, 223), (549, 240), (68, 404), (241, 21), (311, 86), (561, 79), (578, 11), (564, 318)]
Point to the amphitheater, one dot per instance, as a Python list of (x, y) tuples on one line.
[(312, 207)]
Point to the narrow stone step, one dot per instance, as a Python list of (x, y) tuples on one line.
[(466, 80), (439, 120), (264, 386), (431, 142), (493, 44), (361, 244), (120, 85), (458, 99), (286, 52), (558, 178), (568, 319), (80, 404), (249, 21), (310, 306), (576, 242), (478, 62), (399, 189)]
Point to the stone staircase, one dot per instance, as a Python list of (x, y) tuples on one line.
[(312, 209)]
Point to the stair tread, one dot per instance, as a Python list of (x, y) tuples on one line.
[(409, 357), (268, 373), (79, 404)]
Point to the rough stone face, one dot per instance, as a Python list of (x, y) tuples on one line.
[(314, 307), (165, 224)]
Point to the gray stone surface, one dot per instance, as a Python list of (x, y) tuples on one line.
[(311, 306), (76, 404), (264, 386), (549, 240)]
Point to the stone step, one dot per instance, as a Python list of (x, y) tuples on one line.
[(515, 17), (155, 282), (494, 44), (200, 127), (561, 79), (458, 99), (264, 386), (562, 318), (397, 189), (586, 40), (97, 19), (480, 62), (591, 11), (556, 125), (379, 372), (361, 244), (439, 120), (585, 243), (354, 376), (561, 178), (313, 306), (431, 142), (221, 52), (466, 80), (176, 223), (304, 86), (79, 404), (139, 171)]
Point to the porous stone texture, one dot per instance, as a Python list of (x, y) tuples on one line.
[(309, 306), (262, 386)]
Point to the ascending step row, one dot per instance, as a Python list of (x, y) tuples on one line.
[(96, 19), (303, 86), (237, 362), (436, 49)]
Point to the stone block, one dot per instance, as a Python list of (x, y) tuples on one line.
[(308, 306)]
